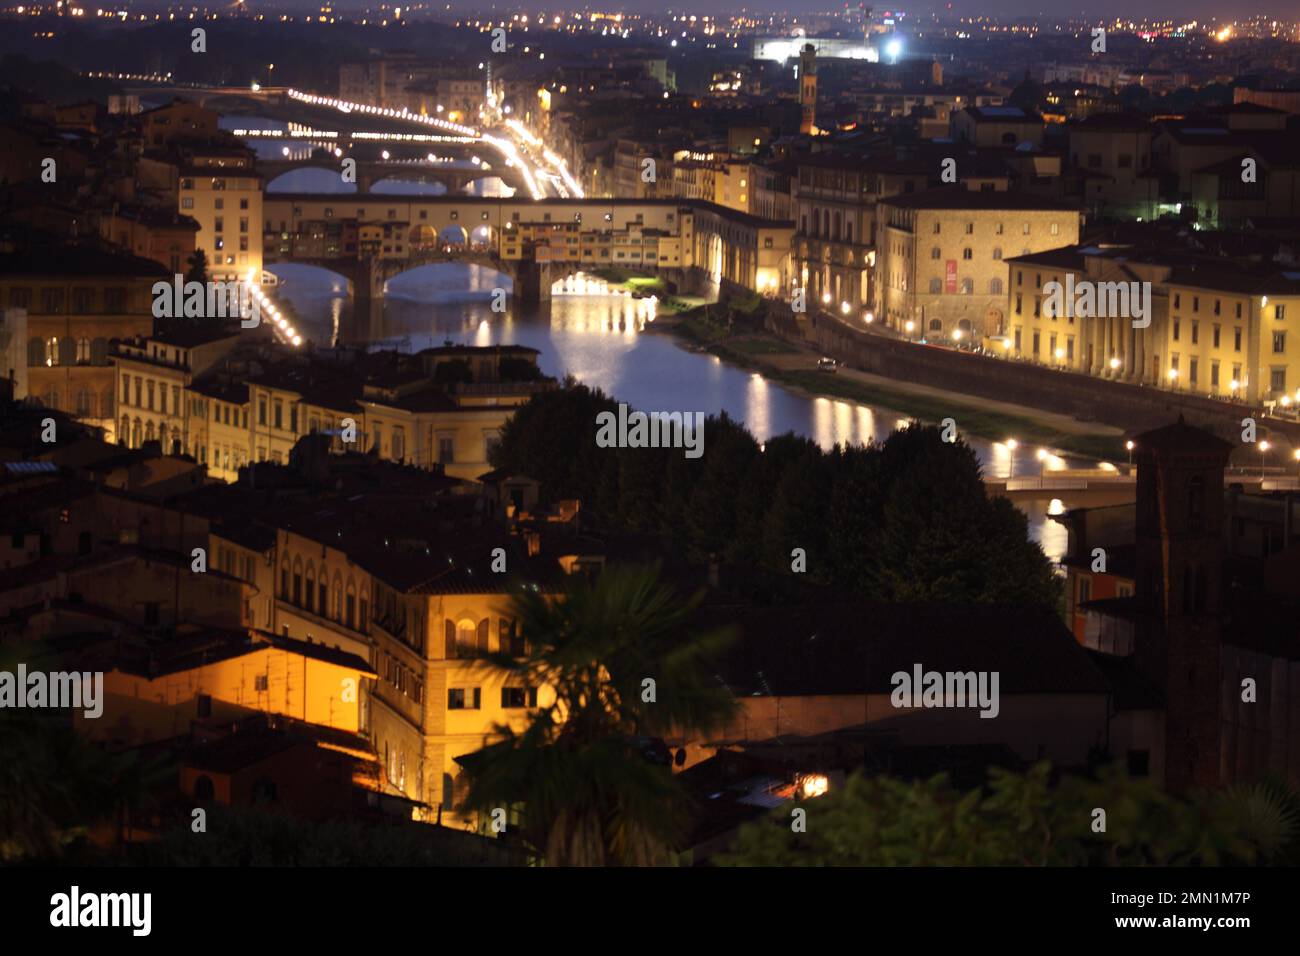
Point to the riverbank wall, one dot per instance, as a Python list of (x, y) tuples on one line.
[(1134, 408)]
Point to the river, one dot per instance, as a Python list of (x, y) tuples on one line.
[(602, 340)]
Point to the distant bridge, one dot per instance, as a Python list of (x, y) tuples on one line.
[(1100, 490), (369, 172)]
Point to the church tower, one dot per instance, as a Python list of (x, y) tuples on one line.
[(1179, 538), (808, 89)]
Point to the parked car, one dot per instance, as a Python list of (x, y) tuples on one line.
[(827, 364)]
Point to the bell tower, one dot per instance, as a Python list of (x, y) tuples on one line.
[(808, 89), (1179, 538)]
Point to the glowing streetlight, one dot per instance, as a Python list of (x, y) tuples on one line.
[(1263, 447), (1130, 446), (1012, 445), (1042, 455), (1114, 363)]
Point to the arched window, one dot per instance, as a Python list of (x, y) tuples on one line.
[(149, 430), (936, 325), (336, 610), (297, 581), (935, 252), (52, 351), (284, 579), (995, 287), (83, 351), (124, 431), (135, 433), (106, 400), (35, 352), (466, 638), (310, 594), (99, 351)]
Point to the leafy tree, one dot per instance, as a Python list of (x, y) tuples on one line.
[(1022, 819), (589, 795), (453, 372), (198, 267)]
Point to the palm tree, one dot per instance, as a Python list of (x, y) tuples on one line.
[(620, 663)]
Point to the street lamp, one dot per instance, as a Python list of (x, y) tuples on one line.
[(1042, 461), (910, 326), (1263, 447), (1129, 445), (1012, 444)]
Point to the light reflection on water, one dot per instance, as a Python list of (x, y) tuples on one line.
[(602, 341)]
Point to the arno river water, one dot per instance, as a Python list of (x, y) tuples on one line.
[(603, 340)]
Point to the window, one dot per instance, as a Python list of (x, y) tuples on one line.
[(935, 253), (997, 253), (1236, 340), (1196, 329), (446, 449), (1214, 374), (968, 253), (1177, 329), (1056, 229), (463, 698), (1216, 336), (513, 698), (995, 287), (1279, 342), (1277, 379), (970, 228)]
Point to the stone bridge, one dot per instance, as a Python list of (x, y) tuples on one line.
[(367, 275), (369, 172)]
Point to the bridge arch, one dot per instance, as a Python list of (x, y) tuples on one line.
[(310, 176), (391, 184)]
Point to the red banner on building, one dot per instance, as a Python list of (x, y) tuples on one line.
[(950, 277)]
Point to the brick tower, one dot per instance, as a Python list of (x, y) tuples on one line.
[(1179, 536), (808, 89)]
